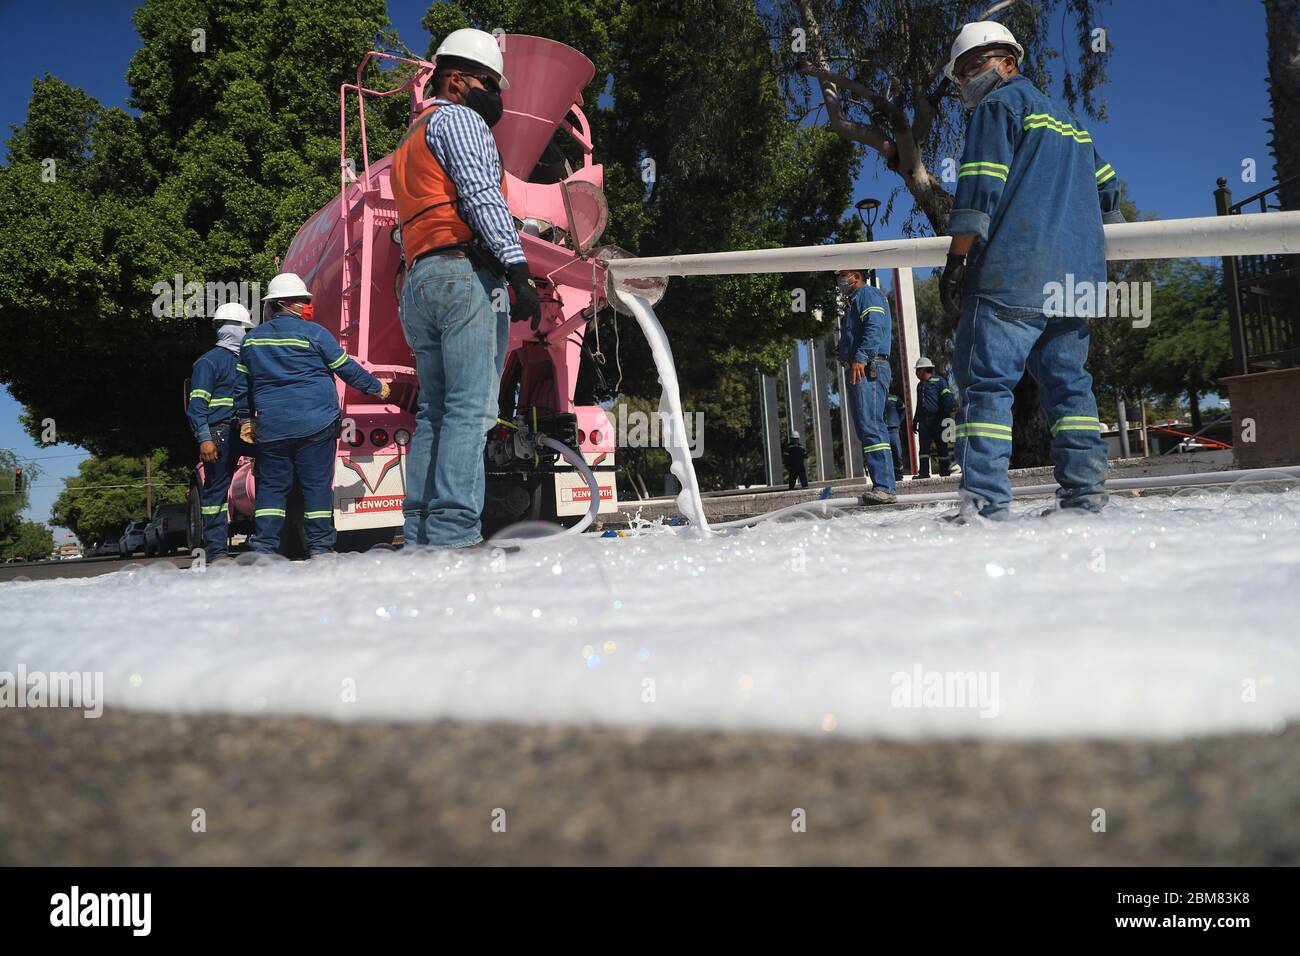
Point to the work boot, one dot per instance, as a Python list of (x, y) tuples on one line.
[(878, 496)]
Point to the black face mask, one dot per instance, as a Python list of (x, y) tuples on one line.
[(485, 104)]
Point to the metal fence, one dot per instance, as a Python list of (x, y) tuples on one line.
[(1263, 293)]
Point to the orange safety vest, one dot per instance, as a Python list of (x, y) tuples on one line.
[(426, 196)]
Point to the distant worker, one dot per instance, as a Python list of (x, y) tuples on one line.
[(1032, 194), (865, 334), (290, 363), (218, 401), (459, 243), (895, 414), (936, 407), (795, 458)]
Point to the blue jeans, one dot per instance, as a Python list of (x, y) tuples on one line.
[(216, 483), (460, 346), (995, 346), (930, 434), (867, 405), (308, 462), (896, 446)]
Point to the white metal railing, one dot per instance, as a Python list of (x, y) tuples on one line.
[(1245, 235), (1208, 236)]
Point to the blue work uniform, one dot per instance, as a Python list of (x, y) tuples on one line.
[(935, 406), (218, 399), (894, 415), (1034, 191), (290, 364), (865, 334)]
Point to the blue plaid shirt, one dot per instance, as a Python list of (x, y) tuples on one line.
[(463, 145)]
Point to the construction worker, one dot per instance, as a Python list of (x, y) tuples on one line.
[(864, 348), (459, 244), (290, 363), (895, 413), (1032, 194), (935, 408), (218, 399), (795, 461)]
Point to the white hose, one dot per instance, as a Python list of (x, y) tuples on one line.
[(580, 463), (1029, 491)]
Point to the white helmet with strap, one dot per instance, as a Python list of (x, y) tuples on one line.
[(232, 312), (287, 285), (923, 362), (982, 33), (477, 47)]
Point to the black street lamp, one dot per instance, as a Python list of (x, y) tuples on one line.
[(868, 210)]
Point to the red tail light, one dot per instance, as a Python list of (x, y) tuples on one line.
[(582, 437), (379, 438), (595, 437)]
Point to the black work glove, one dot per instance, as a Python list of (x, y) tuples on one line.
[(950, 283), (526, 305)]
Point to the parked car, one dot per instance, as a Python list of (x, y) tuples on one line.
[(106, 549), (169, 529), (132, 539)]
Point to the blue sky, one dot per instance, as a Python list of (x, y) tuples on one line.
[(1187, 102)]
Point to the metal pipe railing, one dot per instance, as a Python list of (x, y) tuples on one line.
[(1204, 236)]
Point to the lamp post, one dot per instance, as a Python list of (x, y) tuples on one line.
[(868, 211)]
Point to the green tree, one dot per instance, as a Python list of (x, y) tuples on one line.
[(233, 145), (13, 502), (1187, 350), (31, 541), (106, 493)]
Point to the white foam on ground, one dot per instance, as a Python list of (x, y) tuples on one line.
[(1161, 618)]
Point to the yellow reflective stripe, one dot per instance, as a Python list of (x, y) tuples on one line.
[(1105, 174), (972, 433), (240, 368), (984, 430), (1046, 121), (317, 514), (883, 446), (213, 509), (269, 513), (302, 343), (1076, 423), (996, 170), (339, 361), (221, 402), (200, 393)]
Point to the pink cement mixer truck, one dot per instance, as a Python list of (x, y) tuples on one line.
[(348, 254)]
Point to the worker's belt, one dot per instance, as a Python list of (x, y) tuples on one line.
[(454, 252)]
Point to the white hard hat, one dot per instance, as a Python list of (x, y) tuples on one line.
[(477, 47), (978, 34), (923, 362), (794, 436), (287, 285), (232, 312)]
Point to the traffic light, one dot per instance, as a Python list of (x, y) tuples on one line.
[(18, 481)]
